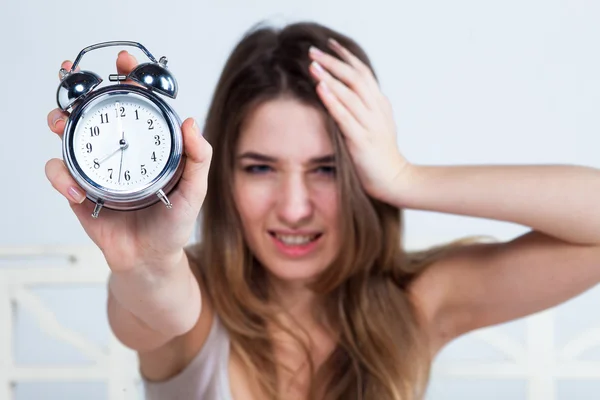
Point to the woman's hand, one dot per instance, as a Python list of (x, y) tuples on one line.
[(154, 236), (351, 94)]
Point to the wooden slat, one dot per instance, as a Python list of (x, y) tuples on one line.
[(24, 267), (6, 340)]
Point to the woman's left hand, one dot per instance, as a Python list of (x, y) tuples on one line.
[(352, 96)]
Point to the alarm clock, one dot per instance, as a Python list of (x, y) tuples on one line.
[(122, 143)]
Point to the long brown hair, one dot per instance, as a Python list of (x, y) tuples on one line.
[(380, 353)]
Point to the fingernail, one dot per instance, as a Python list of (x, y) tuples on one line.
[(334, 42), (195, 125), (319, 71), (315, 51), (56, 118), (325, 90), (76, 195)]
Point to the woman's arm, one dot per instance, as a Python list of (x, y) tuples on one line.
[(150, 305), (560, 200), (490, 283)]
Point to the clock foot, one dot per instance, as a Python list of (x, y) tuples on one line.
[(99, 205), (161, 195)]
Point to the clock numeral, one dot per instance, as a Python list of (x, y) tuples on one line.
[(136, 115), (157, 138), (88, 146), (96, 164), (150, 124), (104, 118), (153, 156), (127, 176), (95, 131), (143, 169), (122, 110), (110, 171)]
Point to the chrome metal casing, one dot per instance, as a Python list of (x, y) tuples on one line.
[(156, 78), (127, 200), (74, 86)]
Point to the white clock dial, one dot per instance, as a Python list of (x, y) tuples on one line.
[(122, 142)]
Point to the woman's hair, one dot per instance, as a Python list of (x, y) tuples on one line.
[(381, 352)]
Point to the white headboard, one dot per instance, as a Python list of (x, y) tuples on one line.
[(24, 267), (538, 360)]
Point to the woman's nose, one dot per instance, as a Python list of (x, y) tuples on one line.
[(294, 205)]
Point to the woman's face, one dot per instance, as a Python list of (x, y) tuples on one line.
[(285, 189)]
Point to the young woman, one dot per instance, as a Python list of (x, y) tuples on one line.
[(299, 287)]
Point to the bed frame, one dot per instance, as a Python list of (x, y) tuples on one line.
[(537, 361)]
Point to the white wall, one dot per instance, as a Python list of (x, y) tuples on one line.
[(471, 82)]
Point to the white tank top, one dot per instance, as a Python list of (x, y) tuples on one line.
[(205, 378)]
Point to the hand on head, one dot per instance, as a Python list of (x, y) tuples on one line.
[(352, 96)]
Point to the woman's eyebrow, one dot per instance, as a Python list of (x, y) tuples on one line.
[(256, 157), (327, 159), (252, 155)]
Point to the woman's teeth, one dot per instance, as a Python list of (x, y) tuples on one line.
[(295, 239)]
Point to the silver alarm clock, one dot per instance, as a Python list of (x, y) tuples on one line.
[(122, 143)]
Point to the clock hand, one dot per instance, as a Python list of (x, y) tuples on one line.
[(119, 122), (121, 165), (112, 153), (122, 146), (123, 143)]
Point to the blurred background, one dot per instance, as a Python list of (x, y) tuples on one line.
[(471, 82)]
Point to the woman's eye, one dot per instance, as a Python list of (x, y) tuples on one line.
[(326, 170), (257, 169)]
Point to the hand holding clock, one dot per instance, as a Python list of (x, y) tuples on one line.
[(153, 236)]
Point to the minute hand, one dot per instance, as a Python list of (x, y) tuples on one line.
[(124, 145), (122, 142), (112, 153)]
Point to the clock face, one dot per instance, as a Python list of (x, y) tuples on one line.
[(122, 142)]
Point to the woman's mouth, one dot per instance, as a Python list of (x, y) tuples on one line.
[(295, 245), (296, 240)]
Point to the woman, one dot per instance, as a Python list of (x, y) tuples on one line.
[(299, 287)]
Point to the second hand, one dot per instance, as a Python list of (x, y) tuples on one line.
[(122, 151), (120, 128)]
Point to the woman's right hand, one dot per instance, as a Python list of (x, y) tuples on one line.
[(152, 236)]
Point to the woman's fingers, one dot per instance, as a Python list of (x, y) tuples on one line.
[(67, 65), (348, 124), (198, 154), (125, 64), (378, 98), (355, 62), (346, 74), (57, 120), (61, 180), (344, 94)]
